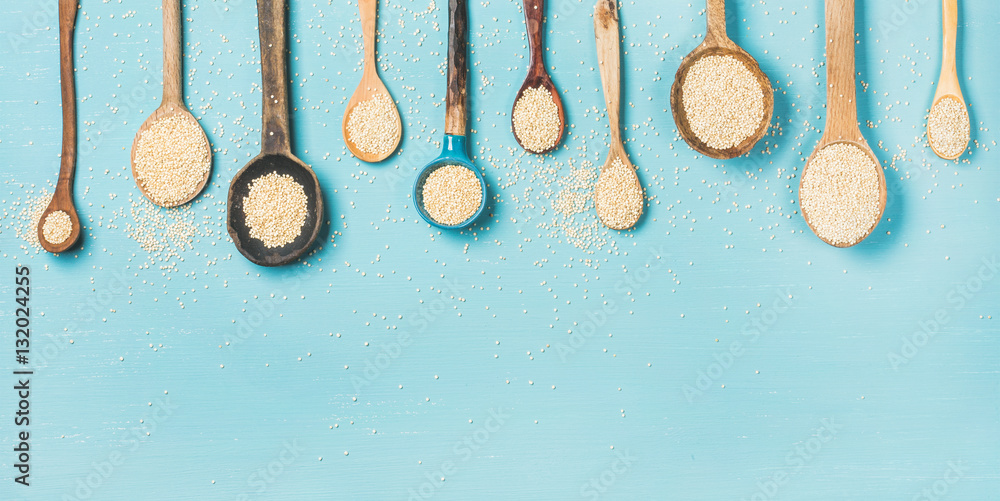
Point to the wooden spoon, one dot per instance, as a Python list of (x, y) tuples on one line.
[(173, 98), (371, 85), (841, 104), (62, 200), (538, 76), (609, 60), (948, 85), (276, 152), (717, 43)]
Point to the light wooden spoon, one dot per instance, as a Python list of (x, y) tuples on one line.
[(841, 101), (538, 76), (948, 85), (614, 216), (173, 97), (718, 43), (371, 85), (62, 200)]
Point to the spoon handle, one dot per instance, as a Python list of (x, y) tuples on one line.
[(172, 52), (841, 98), (67, 82), (609, 60), (458, 70), (368, 9), (948, 82), (715, 14), (534, 20), (271, 23)]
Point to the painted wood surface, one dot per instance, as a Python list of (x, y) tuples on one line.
[(717, 351)]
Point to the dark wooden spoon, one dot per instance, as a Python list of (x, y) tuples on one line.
[(62, 200), (538, 76), (276, 152), (717, 43)]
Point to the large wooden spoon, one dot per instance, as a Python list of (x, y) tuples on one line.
[(538, 76), (276, 150), (718, 43), (948, 84), (618, 196), (371, 85), (172, 103), (62, 200), (841, 102)]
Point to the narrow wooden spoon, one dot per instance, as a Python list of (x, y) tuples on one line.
[(538, 76), (948, 84), (606, 31), (841, 101), (276, 150), (718, 43), (173, 97), (62, 200), (371, 85)]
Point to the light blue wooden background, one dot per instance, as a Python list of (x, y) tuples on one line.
[(509, 364)]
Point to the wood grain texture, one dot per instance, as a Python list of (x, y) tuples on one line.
[(371, 85), (458, 69), (271, 19), (538, 75), (172, 103), (948, 82), (841, 100), (62, 199), (718, 43)]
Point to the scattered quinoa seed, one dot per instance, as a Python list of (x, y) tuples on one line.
[(372, 125), (619, 196), (452, 194), (948, 127), (57, 227), (840, 193), (172, 158), (536, 120), (723, 101), (275, 209)]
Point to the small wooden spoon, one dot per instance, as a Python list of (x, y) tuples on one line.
[(62, 200), (841, 100), (538, 76), (371, 85), (173, 98), (276, 152), (606, 31), (948, 85), (717, 43)]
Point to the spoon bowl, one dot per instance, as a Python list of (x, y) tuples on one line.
[(453, 153), (370, 87), (276, 154), (538, 76), (62, 199), (166, 110)]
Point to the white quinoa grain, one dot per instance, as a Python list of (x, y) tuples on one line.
[(57, 227), (723, 101), (275, 209), (372, 125), (840, 193), (171, 159), (948, 127), (619, 196), (536, 120), (452, 194)]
